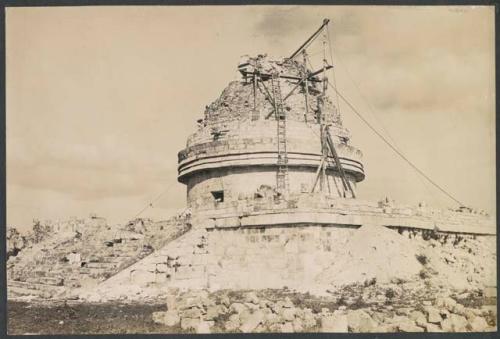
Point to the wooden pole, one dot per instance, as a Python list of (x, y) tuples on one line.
[(324, 149), (255, 116), (317, 174), (306, 84), (325, 22), (254, 92)]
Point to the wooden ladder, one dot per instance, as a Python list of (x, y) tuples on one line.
[(282, 174)]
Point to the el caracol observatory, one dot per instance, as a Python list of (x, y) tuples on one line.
[(273, 133)]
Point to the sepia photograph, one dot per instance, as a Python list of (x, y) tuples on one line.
[(250, 169)]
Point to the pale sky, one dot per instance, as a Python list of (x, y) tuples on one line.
[(101, 99)]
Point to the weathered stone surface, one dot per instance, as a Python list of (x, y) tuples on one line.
[(337, 323), (433, 328), (188, 302), (158, 317), (446, 325), (299, 312), (444, 313), (478, 324), (251, 321), (433, 315), (459, 323), (94, 298), (272, 318), (287, 303), (288, 314), (171, 302), (404, 311), (459, 309), (387, 328), (446, 303), (233, 323), (469, 314), (224, 300), (214, 311), (419, 318), (237, 308), (410, 327), (377, 316), (251, 306), (490, 292), (276, 307), (168, 318), (297, 325), (190, 323), (399, 320), (286, 327), (488, 309), (263, 304), (251, 297), (454, 323), (203, 327), (360, 321), (191, 313), (309, 319)]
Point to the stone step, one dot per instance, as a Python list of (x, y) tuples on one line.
[(17, 283), (98, 270), (104, 265), (128, 248), (125, 257), (111, 259), (99, 274), (54, 281), (58, 273), (34, 286), (75, 283), (46, 281), (13, 291)]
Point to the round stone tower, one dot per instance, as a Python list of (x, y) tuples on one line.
[(234, 155)]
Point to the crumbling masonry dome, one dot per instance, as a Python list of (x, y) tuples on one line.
[(234, 155)]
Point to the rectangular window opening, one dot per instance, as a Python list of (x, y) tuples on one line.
[(218, 196)]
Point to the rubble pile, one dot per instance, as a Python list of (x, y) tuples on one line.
[(236, 103), (456, 260), (442, 259), (15, 242), (73, 259), (372, 252), (279, 311)]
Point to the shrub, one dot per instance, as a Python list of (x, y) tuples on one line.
[(389, 293), (423, 274), (422, 259), (370, 282)]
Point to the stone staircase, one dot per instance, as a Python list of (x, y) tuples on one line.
[(46, 271)]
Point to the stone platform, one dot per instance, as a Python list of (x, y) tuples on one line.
[(318, 209), (249, 246)]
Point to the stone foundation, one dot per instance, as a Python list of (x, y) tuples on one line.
[(302, 257)]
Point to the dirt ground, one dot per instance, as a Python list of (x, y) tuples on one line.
[(109, 318)]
